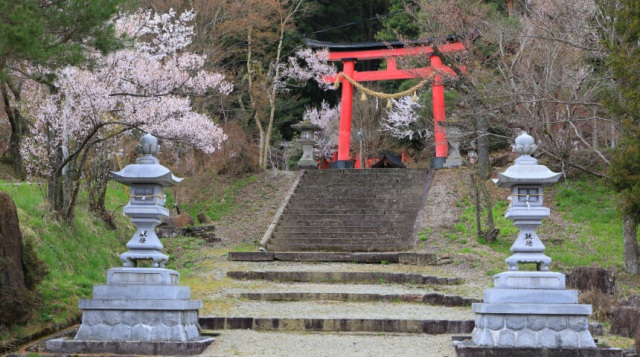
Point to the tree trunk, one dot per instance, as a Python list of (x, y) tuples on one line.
[(483, 148), (491, 233), (15, 120), (474, 182), (97, 178), (631, 250)]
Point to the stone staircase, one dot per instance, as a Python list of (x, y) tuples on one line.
[(370, 210), (311, 309)]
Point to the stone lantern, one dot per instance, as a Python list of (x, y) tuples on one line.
[(146, 180), (526, 179), (530, 308), (141, 310), (307, 141)]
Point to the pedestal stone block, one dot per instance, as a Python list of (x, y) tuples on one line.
[(525, 296), (529, 280)]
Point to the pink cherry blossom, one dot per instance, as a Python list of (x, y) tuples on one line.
[(146, 86), (402, 120)]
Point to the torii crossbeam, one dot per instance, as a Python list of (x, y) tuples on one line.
[(349, 53)]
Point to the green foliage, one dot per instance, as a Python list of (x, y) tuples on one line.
[(423, 236), (624, 172), (331, 16), (400, 23), (592, 207), (624, 102), (76, 256), (54, 32), (184, 253), (224, 206)]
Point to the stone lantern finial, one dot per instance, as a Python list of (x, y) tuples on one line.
[(525, 144), (148, 145)]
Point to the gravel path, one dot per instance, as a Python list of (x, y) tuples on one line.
[(336, 288), (252, 343), (348, 310)]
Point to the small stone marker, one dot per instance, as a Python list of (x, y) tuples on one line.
[(530, 308), (140, 310)]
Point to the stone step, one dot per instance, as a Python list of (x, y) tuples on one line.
[(359, 191), (326, 235), (382, 171), (332, 176), (352, 205), (365, 217), (343, 277), (320, 240), (338, 247), (382, 176), (429, 298), (305, 324), (348, 257), (382, 211), (363, 228), (350, 222), (355, 201)]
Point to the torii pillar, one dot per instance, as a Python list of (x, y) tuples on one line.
[(346, 114), (350, 53)]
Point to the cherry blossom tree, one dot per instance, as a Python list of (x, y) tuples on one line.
[(328, 118), (403, 121), (145, 86), (307, 64)]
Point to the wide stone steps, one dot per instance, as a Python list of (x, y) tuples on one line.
[(342, 244), (371, 233), (429, 298), (358, 190), (334, 211), (311, 300), (339, 247), (433, 325), (363, 217), (372, 239), (293, 302), (350, 211), (342, 277), (355, 204), (360, 228), (340, 222)]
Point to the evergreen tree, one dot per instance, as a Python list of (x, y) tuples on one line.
[(400, 22), (624, 171), (46, 34)]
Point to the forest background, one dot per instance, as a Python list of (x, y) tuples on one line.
[(209, 79)]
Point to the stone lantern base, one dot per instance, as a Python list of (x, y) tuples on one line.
[(531, 309), (139, 311)]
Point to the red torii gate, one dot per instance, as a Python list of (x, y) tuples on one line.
[(350, 53)]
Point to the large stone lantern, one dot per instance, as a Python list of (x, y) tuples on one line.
[(307, 141), (146, 180), (526, 179), (530, 308), (141, 310)]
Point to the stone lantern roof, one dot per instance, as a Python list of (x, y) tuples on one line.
[(147, 169), (306, 125), (526, 170)]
